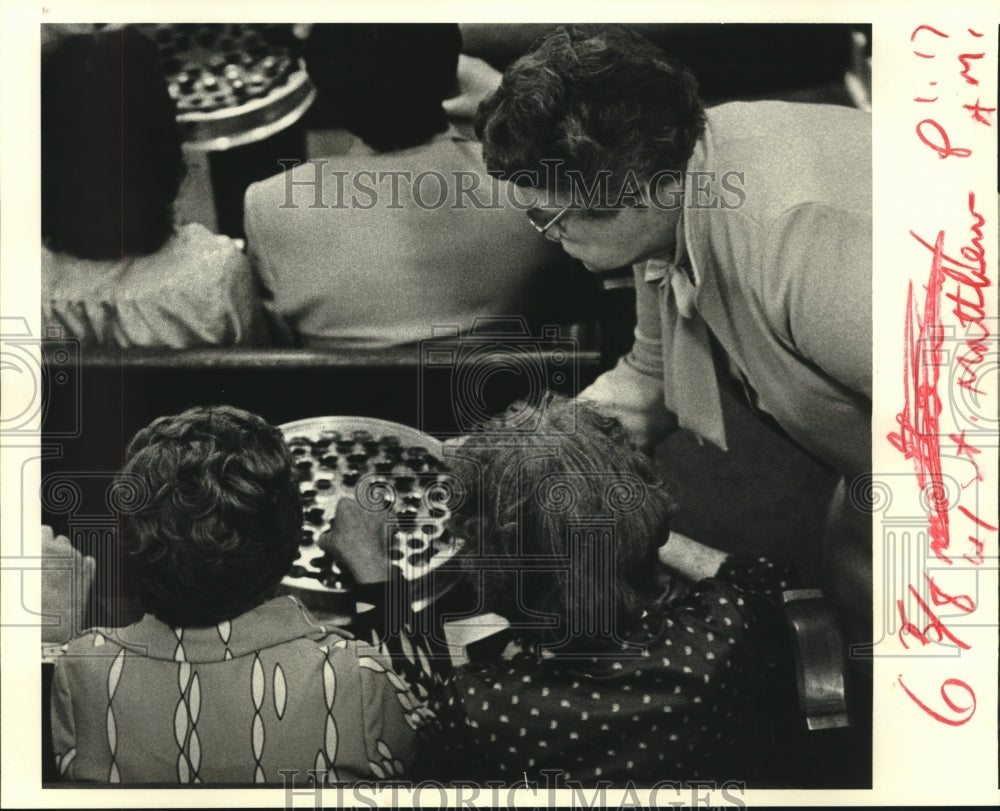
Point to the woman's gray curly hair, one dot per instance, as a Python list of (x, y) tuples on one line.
[(574, 488)]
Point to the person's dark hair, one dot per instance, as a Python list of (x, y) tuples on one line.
[(218, 517), (111, 149), (593, 99), (385, 82), (551, 492)]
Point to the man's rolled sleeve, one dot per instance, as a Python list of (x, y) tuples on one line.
[(633, 390)]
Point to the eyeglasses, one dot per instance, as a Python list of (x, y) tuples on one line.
[(543, 220)]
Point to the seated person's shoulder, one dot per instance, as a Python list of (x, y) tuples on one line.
[(197, 240), (342, 648), (777, 130), (83, 646), (291, 195)]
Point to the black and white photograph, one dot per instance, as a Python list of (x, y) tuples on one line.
[(465, 412)]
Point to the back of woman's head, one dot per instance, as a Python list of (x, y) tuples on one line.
[(111, 149), (216, 514), (385, 81), (559, 490)]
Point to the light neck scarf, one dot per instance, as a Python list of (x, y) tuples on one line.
[(688, 366)]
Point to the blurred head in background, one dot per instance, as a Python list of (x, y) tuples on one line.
[(385, 82), (111, 150)]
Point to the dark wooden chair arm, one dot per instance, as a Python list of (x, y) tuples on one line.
[(820, 657)]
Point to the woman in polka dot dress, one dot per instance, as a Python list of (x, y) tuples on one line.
[(627, 660)]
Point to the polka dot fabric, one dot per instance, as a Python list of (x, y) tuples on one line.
[(684, 695)]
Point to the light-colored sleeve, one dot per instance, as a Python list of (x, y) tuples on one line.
[(393, 716), (633, 390), (63, 722), (197, 290), (824, 294), (246, 312), (211, 299)]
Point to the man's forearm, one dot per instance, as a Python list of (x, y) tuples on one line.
[(636, 400)]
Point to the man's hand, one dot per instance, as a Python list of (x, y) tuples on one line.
[(359, 539), (477, 81), (67, 577), (689, 558)]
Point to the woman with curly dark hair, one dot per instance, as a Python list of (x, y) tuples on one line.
[(222, 681), (116, 268)]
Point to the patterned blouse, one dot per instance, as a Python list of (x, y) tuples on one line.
[(688, 694), (235, 703)]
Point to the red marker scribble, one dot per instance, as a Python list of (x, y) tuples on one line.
[(969, 451), (979, 544), (933, 30), (970, 312), (919, 421), (966, 61), (959, 710), (979, 113), (979, 559), (976, 519), (941, 632), (963, 602), (943, 146), (973, 539)]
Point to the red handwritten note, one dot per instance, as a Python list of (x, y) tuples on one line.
[(949, 365)]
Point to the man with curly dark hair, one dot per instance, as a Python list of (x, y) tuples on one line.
[(749, 230), (223, 680)]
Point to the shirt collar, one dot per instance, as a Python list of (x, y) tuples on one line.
[(452, 133), (656, 269), (279, 620)]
